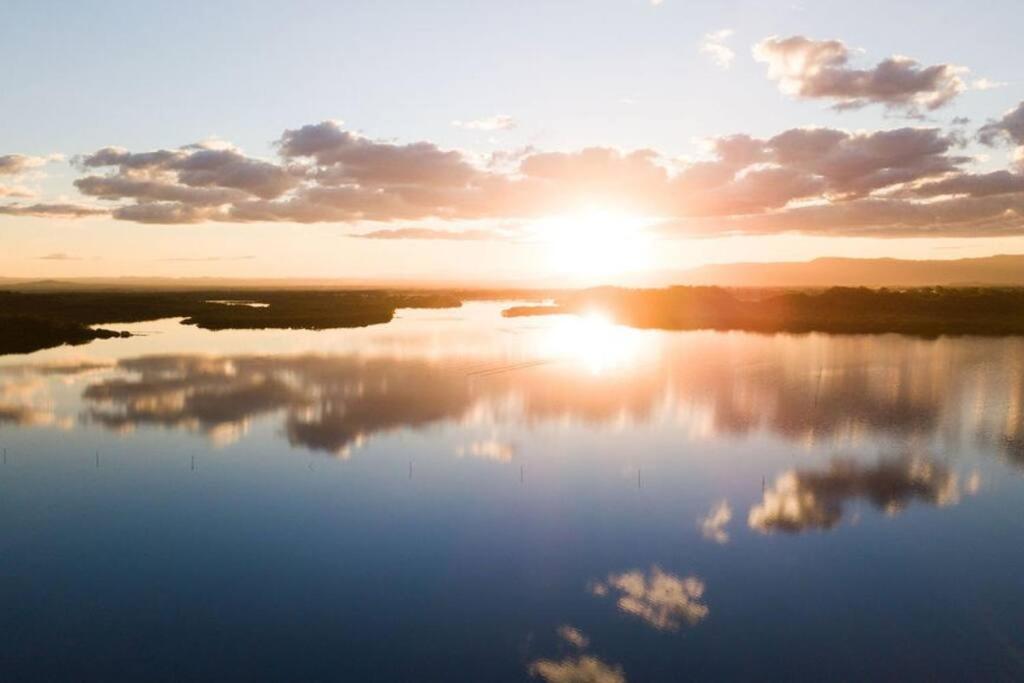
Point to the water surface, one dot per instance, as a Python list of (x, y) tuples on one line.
[(457, 496)]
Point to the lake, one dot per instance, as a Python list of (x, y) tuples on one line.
[(458, 496)]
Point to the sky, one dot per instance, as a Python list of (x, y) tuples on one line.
[(584, 141)]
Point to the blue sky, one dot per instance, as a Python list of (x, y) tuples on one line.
[(626, 74)]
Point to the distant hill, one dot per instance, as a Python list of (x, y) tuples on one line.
[(214, 284), (990, 271), (1007, 270)]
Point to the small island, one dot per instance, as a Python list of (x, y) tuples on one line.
[(33, 321)]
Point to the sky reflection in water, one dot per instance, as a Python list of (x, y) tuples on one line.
[(461, 496)]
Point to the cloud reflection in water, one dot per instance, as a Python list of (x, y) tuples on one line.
[(809, 499), (665, 601), (813, 390)]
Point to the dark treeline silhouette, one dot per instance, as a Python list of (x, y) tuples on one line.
[(32, 321), (923, 311), (23, 333), (38, 320)]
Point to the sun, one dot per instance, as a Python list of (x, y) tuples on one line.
[(594, 245)]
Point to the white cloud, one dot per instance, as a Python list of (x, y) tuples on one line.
[(713, 45), (712, 526), (987, 84), (573, 636), (583, 670), (497, 122), (488, 449), (663, 600)]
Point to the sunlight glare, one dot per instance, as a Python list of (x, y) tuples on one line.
[(593, 245), (594, 341)]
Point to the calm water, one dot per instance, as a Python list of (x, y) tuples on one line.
[(459, 497)]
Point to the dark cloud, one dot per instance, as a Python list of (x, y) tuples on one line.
[(58, 256), (820, 69), (344, 158), (226, 168), (1008, 128), (972, 185), (166, 213), (854, 164), (191, 184), (749, 187), (150, 191)]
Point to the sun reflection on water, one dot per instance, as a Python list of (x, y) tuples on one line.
[(593, 341)]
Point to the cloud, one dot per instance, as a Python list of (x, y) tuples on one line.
[(987, 84), (663, 600), (58, 256), (25, 416), (492, 123), (713, 46), (971, 185), (774, 185), (338, 401), (191, 184), (61, 367), (488, 449), (812, 180), (820, 69), (573, 636), (712, 525), (808, 499), (169, 174), (1000, 215), (43, 210), (430, 234), (586, 669), (24, 400), (16, 164), (1007, 130), (330, 404), (345, 157), (145, 190), (16, 192)]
